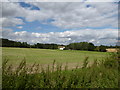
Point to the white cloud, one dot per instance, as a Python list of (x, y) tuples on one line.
[(67, 14), (92, 40), (98, 37), (102, 0), (61, 0), (75, 15), (7, 22), (11, 9), (9, 13), (20, 27)]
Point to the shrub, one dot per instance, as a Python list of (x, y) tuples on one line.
[(99, 75)]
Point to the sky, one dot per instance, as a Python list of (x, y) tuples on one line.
[(60, 22)]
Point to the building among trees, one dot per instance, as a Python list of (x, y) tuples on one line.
[(61, 47), (72, 46)]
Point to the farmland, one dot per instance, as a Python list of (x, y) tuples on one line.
[(47, 56), (98, 75)]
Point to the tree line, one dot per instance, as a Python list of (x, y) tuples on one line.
[(72, 46), (88, 47), (10, 43)]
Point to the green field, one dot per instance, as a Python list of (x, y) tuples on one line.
[(46, 56), (99, 75)]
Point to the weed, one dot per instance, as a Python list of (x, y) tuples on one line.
[(102, 75)]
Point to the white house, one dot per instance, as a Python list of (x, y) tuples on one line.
[(61, 47)]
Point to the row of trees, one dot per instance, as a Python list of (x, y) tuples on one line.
[(72, 46), (45, 46), (88, 47), (9, 43), (81, 46)]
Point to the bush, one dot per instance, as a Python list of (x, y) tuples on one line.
[(99, 75)]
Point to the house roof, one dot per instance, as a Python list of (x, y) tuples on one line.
[(61, 46)]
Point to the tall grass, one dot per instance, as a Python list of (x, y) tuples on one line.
[(99, 75)]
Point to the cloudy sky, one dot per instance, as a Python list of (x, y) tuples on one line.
[(60, 22)]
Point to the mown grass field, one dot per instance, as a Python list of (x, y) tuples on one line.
[(46, 56)]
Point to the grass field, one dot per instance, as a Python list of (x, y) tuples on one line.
[(98, 75), (46, 56)]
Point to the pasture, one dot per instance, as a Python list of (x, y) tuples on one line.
[(47, 56), (102, 75)]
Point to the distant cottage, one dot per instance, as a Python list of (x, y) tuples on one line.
[(61, 47), (112, 49)]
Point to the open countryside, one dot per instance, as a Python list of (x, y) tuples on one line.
[(59, 44), (75, 74), (47, 56)]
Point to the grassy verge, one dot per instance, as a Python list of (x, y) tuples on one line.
[(99, 75)]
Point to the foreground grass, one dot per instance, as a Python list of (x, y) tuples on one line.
[(46, 56), (100, 75)]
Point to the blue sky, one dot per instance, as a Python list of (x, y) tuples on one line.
[(68, 22), (26, 5), (37, 26)]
